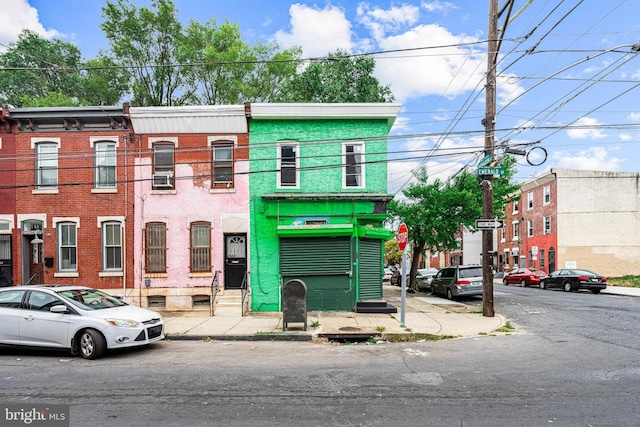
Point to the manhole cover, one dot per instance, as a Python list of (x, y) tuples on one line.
[(349, 329)]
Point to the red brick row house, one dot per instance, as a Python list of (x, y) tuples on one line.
[(66, 188)]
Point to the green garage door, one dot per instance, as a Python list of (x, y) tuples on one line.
[(324, 265), (370, 272)]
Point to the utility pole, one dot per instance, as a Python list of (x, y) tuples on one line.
[(487, 181)]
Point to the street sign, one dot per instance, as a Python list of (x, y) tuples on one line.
[(403, 237), (485, 161), (498, 170), (489, 224)]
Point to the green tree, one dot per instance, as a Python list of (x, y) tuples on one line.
[(34, 67), (392, 254), (53, 99), (103, 83), (337, 78), (226, 70), (145, 42), (434, 212)]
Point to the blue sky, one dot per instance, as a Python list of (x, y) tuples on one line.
[(567, 74)]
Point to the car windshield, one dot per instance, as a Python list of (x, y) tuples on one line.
[(91, 299), (470, 272)]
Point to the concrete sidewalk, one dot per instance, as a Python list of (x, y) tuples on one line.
[(424, 314)]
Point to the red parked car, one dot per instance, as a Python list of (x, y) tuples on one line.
[(524, 277)]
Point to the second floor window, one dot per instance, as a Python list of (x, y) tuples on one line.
[(67, 247), (105, 153), (156, 248), (516, 230), (288, 165), (223, 166), (111, 246), (529, 227), (547, 225), (353, 165), (163, 166), (47, 165), (200, 247), (546, 195), (516, 204)]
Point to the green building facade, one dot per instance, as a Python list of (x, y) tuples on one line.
[(318, 197)]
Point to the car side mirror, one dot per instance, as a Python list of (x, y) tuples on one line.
[(60, 308)]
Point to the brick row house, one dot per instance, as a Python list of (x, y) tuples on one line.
[(67, 179), (574, 219), (158, 204)]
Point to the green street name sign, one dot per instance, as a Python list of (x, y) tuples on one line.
[(498, 170)]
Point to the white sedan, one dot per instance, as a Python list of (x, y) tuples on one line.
[(84, 320)]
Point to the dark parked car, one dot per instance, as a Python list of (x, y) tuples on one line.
[(574, 279), (395, 275), (524, 277), (458, 281)]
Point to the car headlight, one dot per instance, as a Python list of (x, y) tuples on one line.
[(123, 323)]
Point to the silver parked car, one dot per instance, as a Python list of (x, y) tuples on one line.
[(458, 281), (84, 320)]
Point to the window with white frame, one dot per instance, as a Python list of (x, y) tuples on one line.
[(541, 255), (353, 165), (516, 230), (547, 225), (111, 246), (200, 247), (529, 227), (67, 246), (105, 169), (529, 200), (222, 165), (516, 206), (288, 165), (46, 165), (546, 191), (163, 165)]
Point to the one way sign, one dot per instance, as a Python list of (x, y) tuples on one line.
[(489, 224)]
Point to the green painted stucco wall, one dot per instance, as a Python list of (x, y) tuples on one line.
[(320, 145)]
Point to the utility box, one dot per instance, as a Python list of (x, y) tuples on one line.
[(294, 303)]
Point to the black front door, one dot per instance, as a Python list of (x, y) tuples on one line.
[(552, 259), (235, 260)]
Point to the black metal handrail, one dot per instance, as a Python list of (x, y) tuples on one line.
[(215, 287), (244, 287)]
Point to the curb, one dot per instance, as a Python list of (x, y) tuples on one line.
[(239, 337)]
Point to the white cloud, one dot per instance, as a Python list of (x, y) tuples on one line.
[(634, 116), (586, 127), (625, 137), (317, 31), (446, 71), (380, 21), (593, 158), (16, 16), (439, 6)]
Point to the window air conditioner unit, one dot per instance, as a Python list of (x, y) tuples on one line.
[(163, 179)]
